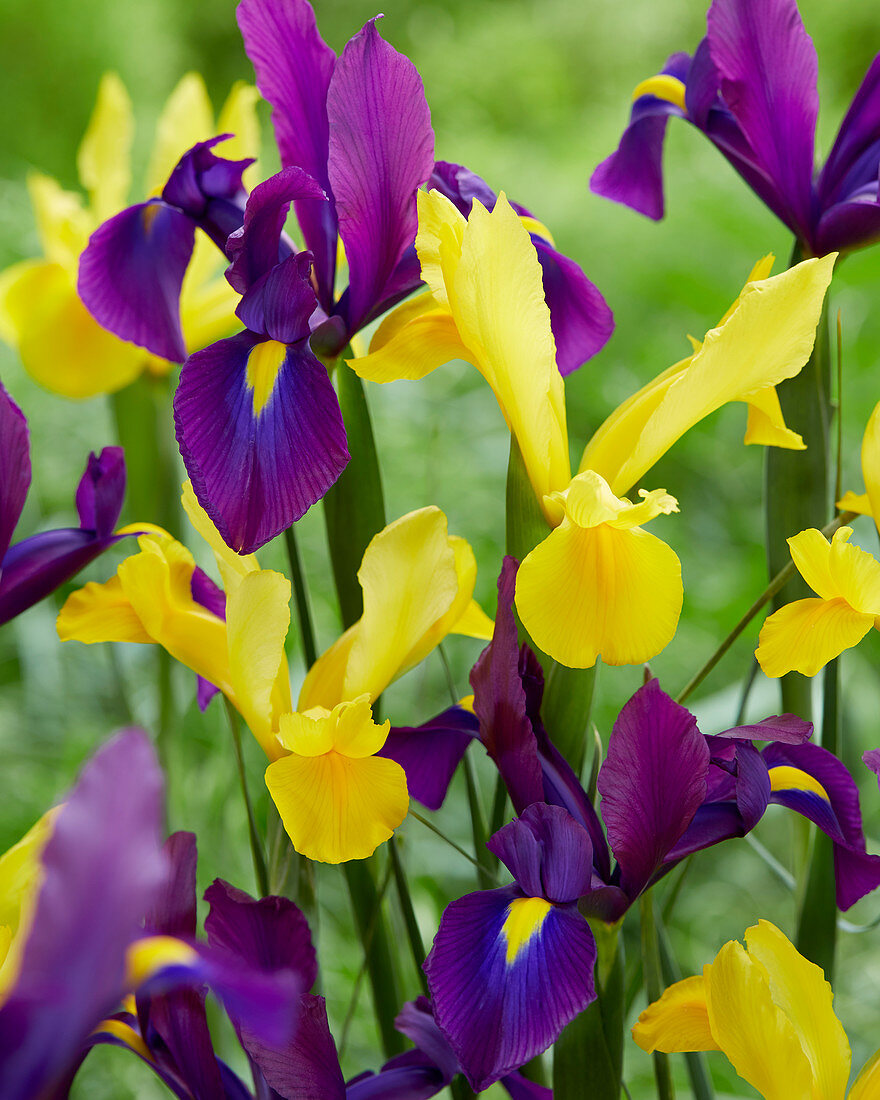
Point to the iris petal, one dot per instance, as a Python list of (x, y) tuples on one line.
[(805, 635), (678, 1022)]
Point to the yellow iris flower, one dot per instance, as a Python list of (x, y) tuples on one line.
[(337, 800), (598, 585), (61, 346), (769, 1010), (805, 635)]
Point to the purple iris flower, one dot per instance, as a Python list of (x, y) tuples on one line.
[(667, 791), (259, 429), (579, 316), (751, 88), (36, 566)]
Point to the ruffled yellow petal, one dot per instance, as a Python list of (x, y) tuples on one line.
[(104, 157), (186, 118), (100, 613), (157, 583), (799, 989), (63, 223), (678, 1022), (867, 1084), (766, 337), (424, 342), (501, 315), (324, 682), (805, 635), (755, 1034), (61, 346), (855, 573), (811, 553), (21, 876), (600, 591), (337, 807), (766, 425), (257, 619)]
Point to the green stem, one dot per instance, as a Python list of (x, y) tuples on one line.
[(354, 508), (413, 934), (375, 936), (301, 598), (257, 855), (769, 592), (797, 483), (478, 829), (654, 987)]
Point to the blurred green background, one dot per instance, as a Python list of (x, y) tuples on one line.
[(532, 96)]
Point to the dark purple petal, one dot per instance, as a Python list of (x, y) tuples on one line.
[(849, 225), (461, 186), (500, 702), (381, 152), (839, 815), (547, 852), (37, 566), (712, 823), (768, 71), (102, 867), (521, 1088), (15, 467), (173, 912), (178, 1019), (785, 728), (269, 934), (255, 473), (416, 1021), (409, 1076), (633, 174), (871, 759), (853, 160), (752, 785), (200, 176), (293, 66), (280, 303), (579, 316), (131, 272), (100, 491), (257, 246), (307, 1066), (499, 1013), (430, 753), (652, 781)]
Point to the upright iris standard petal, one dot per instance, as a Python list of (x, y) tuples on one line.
[(275, 411), (652, 781), (381, 151), (102, 867), (132, 272), (15, 468), (768, 69), (294, 66)]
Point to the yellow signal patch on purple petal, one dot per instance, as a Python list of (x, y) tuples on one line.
[(264, 363), (786, 778), (147, 956), (663, 86), (523, 922)]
